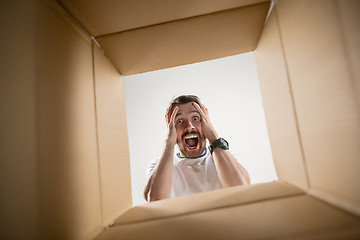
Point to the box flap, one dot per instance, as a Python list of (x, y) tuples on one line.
[(114, 159), (208, 200), (288, 217), (186, 41), (106, 17), (279, 107), (325, 95)]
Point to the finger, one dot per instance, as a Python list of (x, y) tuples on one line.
[(173, 115), (168, 113), (166, 117), (205, 110), (199, 109)]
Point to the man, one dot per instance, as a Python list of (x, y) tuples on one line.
[(195, 168)]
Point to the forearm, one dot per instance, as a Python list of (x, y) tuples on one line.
[(229, 170), (161, 180)]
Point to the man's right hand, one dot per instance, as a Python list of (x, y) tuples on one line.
[(170, 118), (160, 181)]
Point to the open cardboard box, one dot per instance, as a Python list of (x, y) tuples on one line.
[(65, 168)]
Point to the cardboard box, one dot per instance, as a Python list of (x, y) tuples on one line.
[(65, 168)]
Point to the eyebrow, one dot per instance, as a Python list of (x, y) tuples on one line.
[(194, 111)]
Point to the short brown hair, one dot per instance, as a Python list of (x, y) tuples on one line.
[(183, 99)]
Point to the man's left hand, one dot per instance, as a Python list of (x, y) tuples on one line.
[(206, 125)]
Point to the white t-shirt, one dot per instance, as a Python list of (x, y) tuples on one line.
[(192, 175)]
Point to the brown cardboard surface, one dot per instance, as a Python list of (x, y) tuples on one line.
[(201, 202), (324, 97), (18, 154), (105, 17), (350, 24), (114, 159), (186, 41), (69, 197), (279, 107), (68, 18), (59, 151), (294, 217)]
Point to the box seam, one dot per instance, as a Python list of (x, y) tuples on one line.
[(97, 134)]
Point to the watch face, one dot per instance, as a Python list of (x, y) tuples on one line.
[(223, 142)]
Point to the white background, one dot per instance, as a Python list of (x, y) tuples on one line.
[(228, 87)]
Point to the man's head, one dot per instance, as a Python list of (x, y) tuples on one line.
[(190, 137)]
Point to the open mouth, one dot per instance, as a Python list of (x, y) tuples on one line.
[(191, 141)]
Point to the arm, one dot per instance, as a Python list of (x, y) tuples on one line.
[(160, 181), (229, 170)]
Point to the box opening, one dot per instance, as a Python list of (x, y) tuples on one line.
[(228, 87)]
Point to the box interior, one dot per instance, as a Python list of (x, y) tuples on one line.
[(65, 143)]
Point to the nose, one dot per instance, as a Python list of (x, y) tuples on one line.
[(189, 126)]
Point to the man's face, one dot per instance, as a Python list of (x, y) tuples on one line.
[(190, 138)]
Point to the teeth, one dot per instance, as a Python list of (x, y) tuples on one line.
[(191, 136)]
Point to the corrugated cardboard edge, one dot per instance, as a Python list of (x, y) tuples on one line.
[(205, 201)]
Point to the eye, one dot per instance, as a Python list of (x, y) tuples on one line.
[(196, 118), (179, 121)]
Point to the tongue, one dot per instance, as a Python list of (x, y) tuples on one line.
[(191, 142)]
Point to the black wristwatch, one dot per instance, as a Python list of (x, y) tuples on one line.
[(219, 143)]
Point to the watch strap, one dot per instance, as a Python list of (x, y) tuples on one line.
[(219, 143)]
